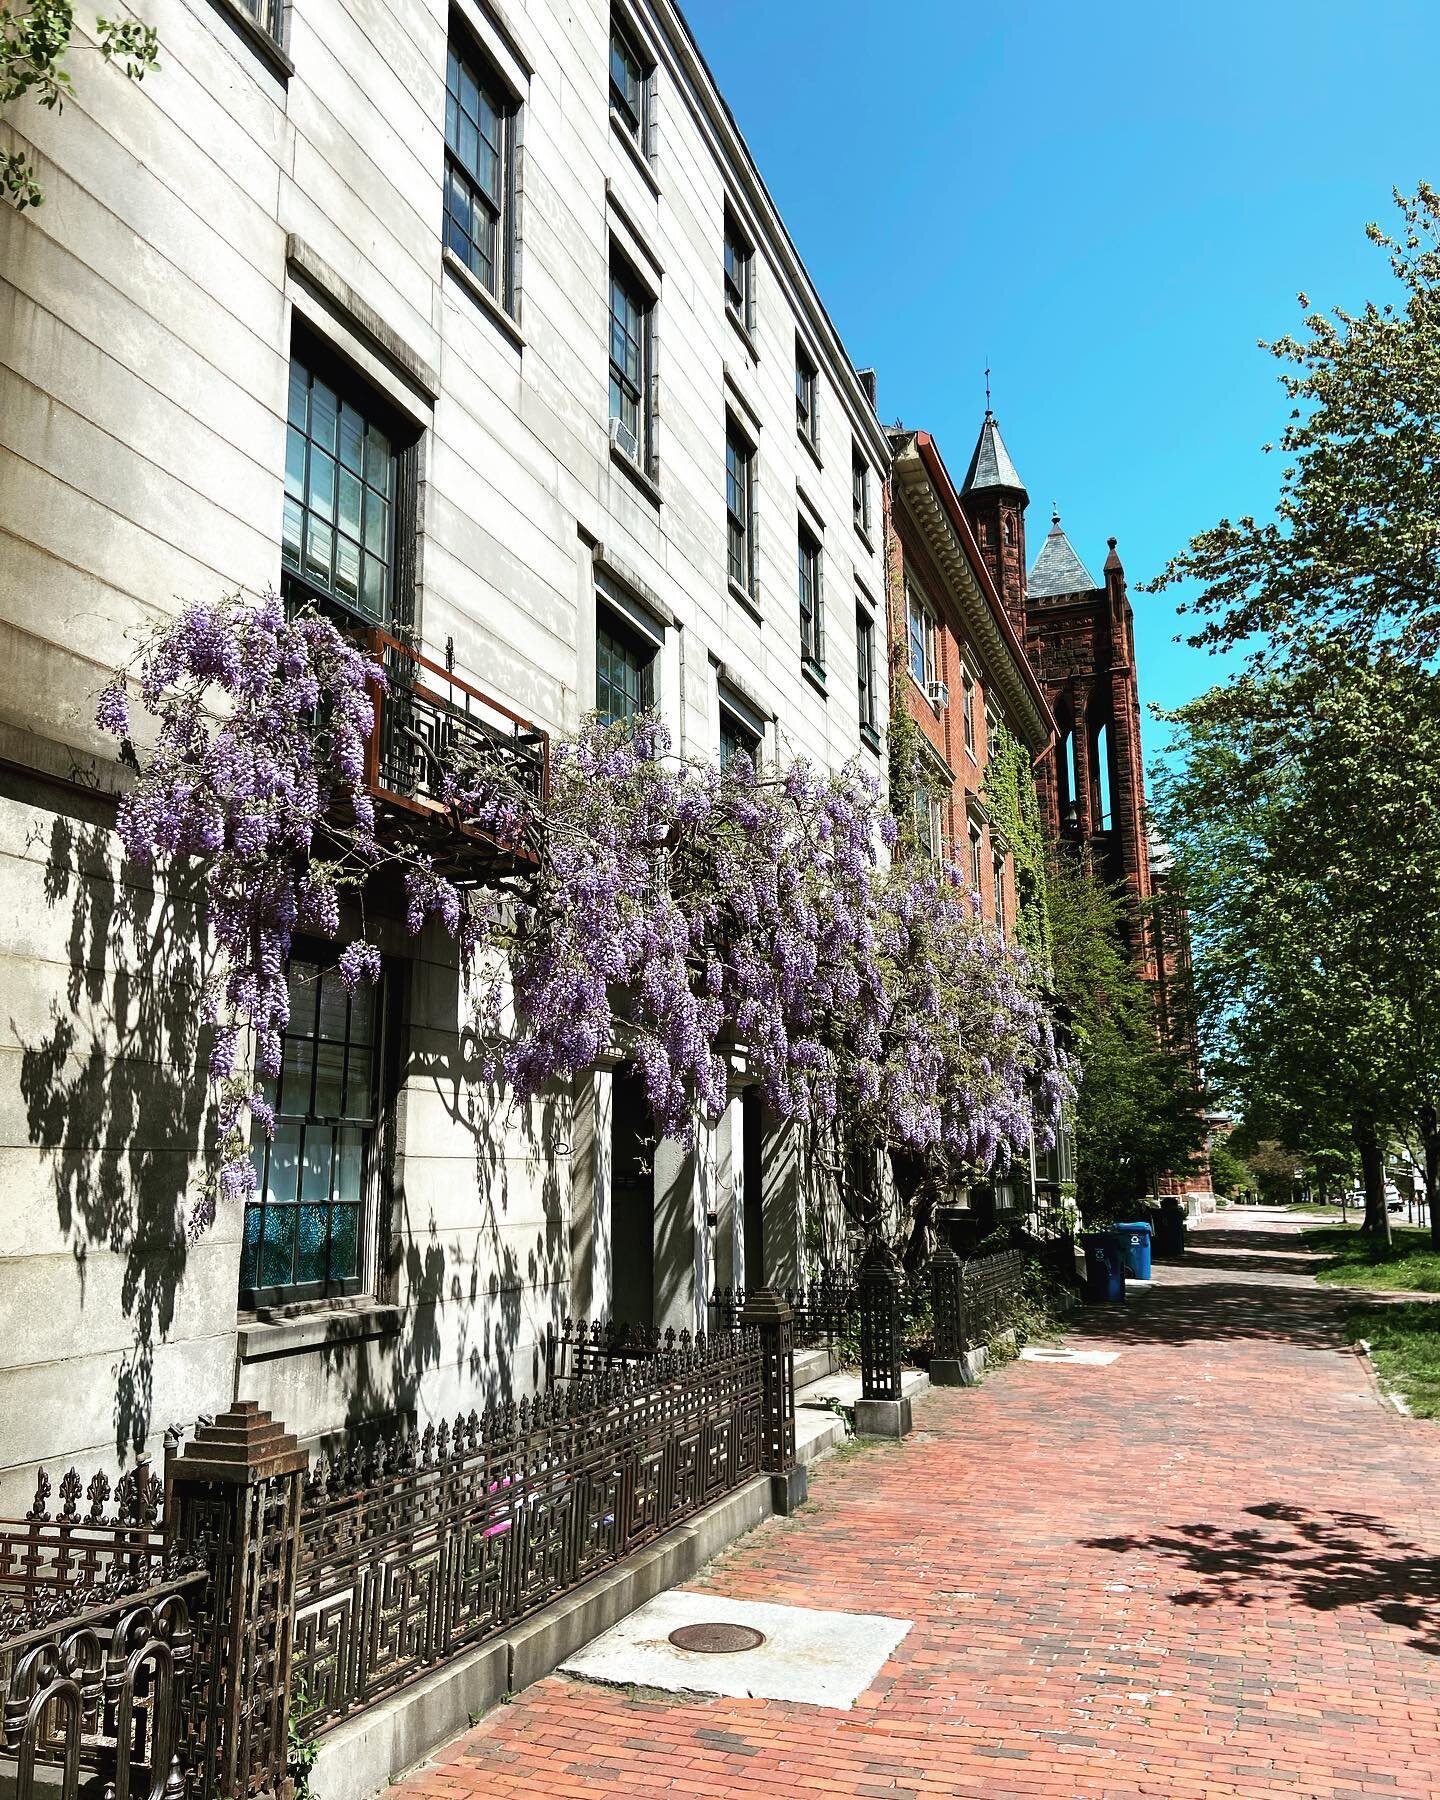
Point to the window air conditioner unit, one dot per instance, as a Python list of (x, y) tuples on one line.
[(624, 439), (939, 692)]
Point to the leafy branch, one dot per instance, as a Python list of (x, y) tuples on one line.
[(34, 43)]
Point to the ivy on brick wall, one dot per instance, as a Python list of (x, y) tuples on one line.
[(1015, 814)]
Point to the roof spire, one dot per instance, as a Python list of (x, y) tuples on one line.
[(1058, 570), (990, 466)]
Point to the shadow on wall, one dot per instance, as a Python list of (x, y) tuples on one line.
[(1325, 1561), (115, 1093), (463, 1285)]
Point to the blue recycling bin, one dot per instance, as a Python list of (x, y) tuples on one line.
[(1135, 1236), (1104, 1268)]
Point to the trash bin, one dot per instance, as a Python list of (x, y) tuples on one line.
[(1169, 1239), (1104, 1268), (1135, 1236)]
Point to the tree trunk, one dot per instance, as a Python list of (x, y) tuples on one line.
[(1376, 1222), (1430, 1132)]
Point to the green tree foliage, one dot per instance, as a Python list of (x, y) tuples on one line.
[(1014, 804), (1351, 551), (1306, 815), (35, 40), (1138, 1111), (1229, 1173)]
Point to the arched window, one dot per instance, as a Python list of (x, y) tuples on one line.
[(1067, 771), (1102, 776), (1009, 529)]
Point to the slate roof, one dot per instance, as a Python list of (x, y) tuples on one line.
[(990, 466), (1058, 570)]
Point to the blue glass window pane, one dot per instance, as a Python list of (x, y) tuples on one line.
[(312, 1243), (277, 1247), (344, 1243)]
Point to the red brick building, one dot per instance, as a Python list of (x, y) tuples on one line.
[(959, 665), (1079, 637)]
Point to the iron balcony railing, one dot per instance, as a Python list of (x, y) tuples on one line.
[(430, 723)]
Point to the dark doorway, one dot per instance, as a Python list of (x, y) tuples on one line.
[(632, 1202), (753, 1135)]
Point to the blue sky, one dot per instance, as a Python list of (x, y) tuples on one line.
[(1112, 202)]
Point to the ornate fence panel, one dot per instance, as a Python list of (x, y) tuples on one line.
[(421, 1547), (989, 1289), (824, 1310), (81, 1538), (99, 1681)]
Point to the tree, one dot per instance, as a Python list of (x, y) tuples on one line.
[(1229, 1173), (1351, 552), (1305, 816), (1138, 1109), (34, 42)]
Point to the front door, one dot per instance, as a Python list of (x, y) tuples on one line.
[(632, 1202)]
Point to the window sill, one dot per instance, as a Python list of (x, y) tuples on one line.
[(634, 152), (811, 446), (256, 36), (743, 332), (751, 602), (871, 737), (483, 298), (815, 675), (647, 485), (322, 1326)]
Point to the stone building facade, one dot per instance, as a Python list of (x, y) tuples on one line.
[(476, 321)]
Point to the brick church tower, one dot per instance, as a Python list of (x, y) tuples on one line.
[(1079, 635)]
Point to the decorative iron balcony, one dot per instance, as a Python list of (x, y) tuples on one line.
[(428, 722)]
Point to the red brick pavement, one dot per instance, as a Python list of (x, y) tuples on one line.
[(1208, 1569)]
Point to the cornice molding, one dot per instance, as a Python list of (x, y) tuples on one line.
[(966, 597)]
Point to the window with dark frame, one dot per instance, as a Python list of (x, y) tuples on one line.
[(806, 381), (479, 169), (739, 507), (267, 15), (975, 849), (736, 737), (865, 662), (925, 810), (629, 363), (920, 630), (860, 489), (624, 668), (341, 481), (305, 1223), (812, 602), (967, 690), (739, 273), (630, 74), (998, 869)]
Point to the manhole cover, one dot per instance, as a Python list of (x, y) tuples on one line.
[(717, 1639)]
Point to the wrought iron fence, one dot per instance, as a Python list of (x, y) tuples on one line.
[(95, 1641), (423, 1546), (825, 1310), (94, 1532), (990, 1289)]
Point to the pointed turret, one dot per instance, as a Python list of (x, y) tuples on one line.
[(990, 466), (1058, 570), (994, 499)]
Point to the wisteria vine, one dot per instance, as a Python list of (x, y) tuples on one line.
[(680, 908)]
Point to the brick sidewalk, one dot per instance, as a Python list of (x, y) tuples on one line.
[(1208, 1569)]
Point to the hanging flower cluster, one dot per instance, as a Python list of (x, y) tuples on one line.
[(970, 1064), (680, 908), (255, 793)]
